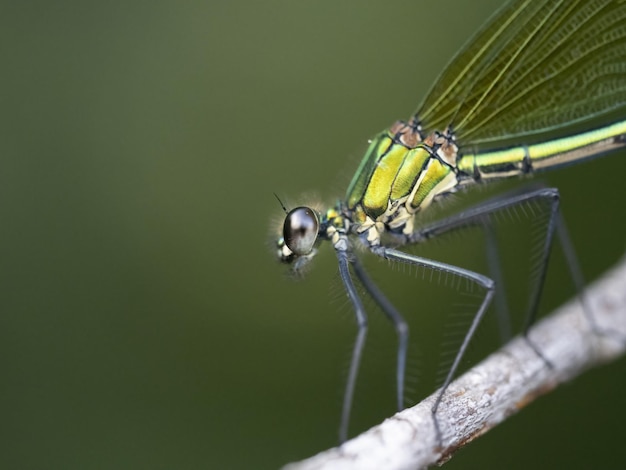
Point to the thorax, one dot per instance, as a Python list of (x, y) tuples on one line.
[(400, 174)]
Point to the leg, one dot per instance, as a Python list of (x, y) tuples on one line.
[(357, 351), (483, 281), (400, 325), (479, 215), (577, 277), (495, 272)]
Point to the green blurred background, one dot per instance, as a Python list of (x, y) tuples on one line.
[(144, 321)]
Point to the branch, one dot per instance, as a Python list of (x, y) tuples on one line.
[(493, 390)]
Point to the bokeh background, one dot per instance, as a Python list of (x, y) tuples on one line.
[(144, 322)]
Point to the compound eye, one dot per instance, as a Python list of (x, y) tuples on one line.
[(300, 230)]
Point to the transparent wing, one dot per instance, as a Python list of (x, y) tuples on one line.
[(535, 67)]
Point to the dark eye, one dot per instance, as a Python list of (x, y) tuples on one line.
[(300, 230)]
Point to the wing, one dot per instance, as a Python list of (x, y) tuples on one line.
[(535, 67)]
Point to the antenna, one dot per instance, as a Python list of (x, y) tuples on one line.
[(281, 203)]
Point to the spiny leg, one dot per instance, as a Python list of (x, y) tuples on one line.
[(477, 216), (495, 272), (552, 195), (357, 351), (579, 282), (483, 281), (400, 325)]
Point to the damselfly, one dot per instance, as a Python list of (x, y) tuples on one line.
[(541, 85)]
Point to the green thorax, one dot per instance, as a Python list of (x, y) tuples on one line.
[(400, 174)]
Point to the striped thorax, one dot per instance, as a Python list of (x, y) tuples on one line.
[(400, 174)]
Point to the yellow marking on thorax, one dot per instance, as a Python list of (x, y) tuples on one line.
[(379, 188)]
